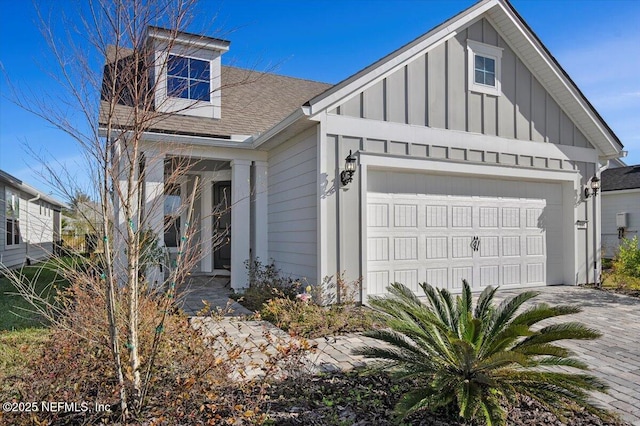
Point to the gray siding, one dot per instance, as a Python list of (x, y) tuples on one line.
[(432, 90), (614, 202), (292, 206)]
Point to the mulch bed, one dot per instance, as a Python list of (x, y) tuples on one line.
[(355, 399)]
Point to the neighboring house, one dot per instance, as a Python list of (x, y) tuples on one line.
[(620, 206), (29, 222), (471, 149)]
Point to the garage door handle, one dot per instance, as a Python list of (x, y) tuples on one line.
[(475, 244)]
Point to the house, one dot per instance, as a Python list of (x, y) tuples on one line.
[(30, 222), (464, 154), (620, 206)]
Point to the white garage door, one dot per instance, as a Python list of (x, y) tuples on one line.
[(442, 239)]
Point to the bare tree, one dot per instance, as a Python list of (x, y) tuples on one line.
[(117, 106)]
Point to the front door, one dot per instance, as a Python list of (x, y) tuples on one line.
[(222, 225)]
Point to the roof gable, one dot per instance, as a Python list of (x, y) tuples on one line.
[(547, 78)]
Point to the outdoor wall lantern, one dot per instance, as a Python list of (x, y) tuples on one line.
[(592, 188), (349, 169)]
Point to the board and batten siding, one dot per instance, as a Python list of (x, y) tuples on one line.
[(432, 91), (293, 206)]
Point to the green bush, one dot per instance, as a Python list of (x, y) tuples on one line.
[(627, 260), (479, 360), (265, 283)]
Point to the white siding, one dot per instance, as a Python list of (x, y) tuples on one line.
[(614, 202), (292, 206), (36, 230)]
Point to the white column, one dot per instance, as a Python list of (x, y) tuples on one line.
[(206, 223), (240, 222), (154, 206), (260, 212)]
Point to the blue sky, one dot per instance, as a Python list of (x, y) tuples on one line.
[(596, 41)]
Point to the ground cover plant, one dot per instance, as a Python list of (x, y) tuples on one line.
[(480, 359)]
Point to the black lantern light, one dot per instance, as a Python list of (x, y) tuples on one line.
[(349, 169), (593, 187)]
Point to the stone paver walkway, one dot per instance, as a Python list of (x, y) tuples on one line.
[(615, 357)]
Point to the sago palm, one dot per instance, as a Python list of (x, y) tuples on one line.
[(477, 358)]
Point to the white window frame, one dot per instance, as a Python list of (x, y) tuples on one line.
[(493, 52), (12, 198)]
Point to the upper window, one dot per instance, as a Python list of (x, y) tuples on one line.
[(484, 67), (188, 78), (12, 212), (485, 71)]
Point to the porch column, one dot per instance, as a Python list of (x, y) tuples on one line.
[(260, 212), (240, 222), (206, 223), (154, 207)]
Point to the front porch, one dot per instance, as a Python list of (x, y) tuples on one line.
[(215, 201)]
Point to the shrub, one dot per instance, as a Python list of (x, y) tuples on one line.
[(265, 283), (192, 380), (310, 320), (478, 359), (627, 260)]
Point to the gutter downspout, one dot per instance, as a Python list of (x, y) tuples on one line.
[(28, 240)]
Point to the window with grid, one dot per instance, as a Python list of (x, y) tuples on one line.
[(188, 78), (485, 70), (12, 215)]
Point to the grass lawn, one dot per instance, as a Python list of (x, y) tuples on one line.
[(15, 312)]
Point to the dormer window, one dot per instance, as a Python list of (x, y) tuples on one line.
[(188, 78), (484, 67), (187, 72)]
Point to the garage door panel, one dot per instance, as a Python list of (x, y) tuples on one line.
[(408, 277), (437, 247), (535, 245), (461, 217), (377, 282), (378, 215), (511, 217), (488, 217), (436, 216), (535, 273), (378, 249), (438, 277), (511, 245), (461, 247), (511, 274), (490, 275), (489, 247), (405, 215), (460, 273), (405, 248)]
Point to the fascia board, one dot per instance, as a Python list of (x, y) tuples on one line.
[(281, 126), (387, 65)]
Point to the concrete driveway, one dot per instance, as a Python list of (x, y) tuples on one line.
[(615, 357)]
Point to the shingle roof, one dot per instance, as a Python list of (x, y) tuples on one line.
[(621, 178), (252, 102)]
